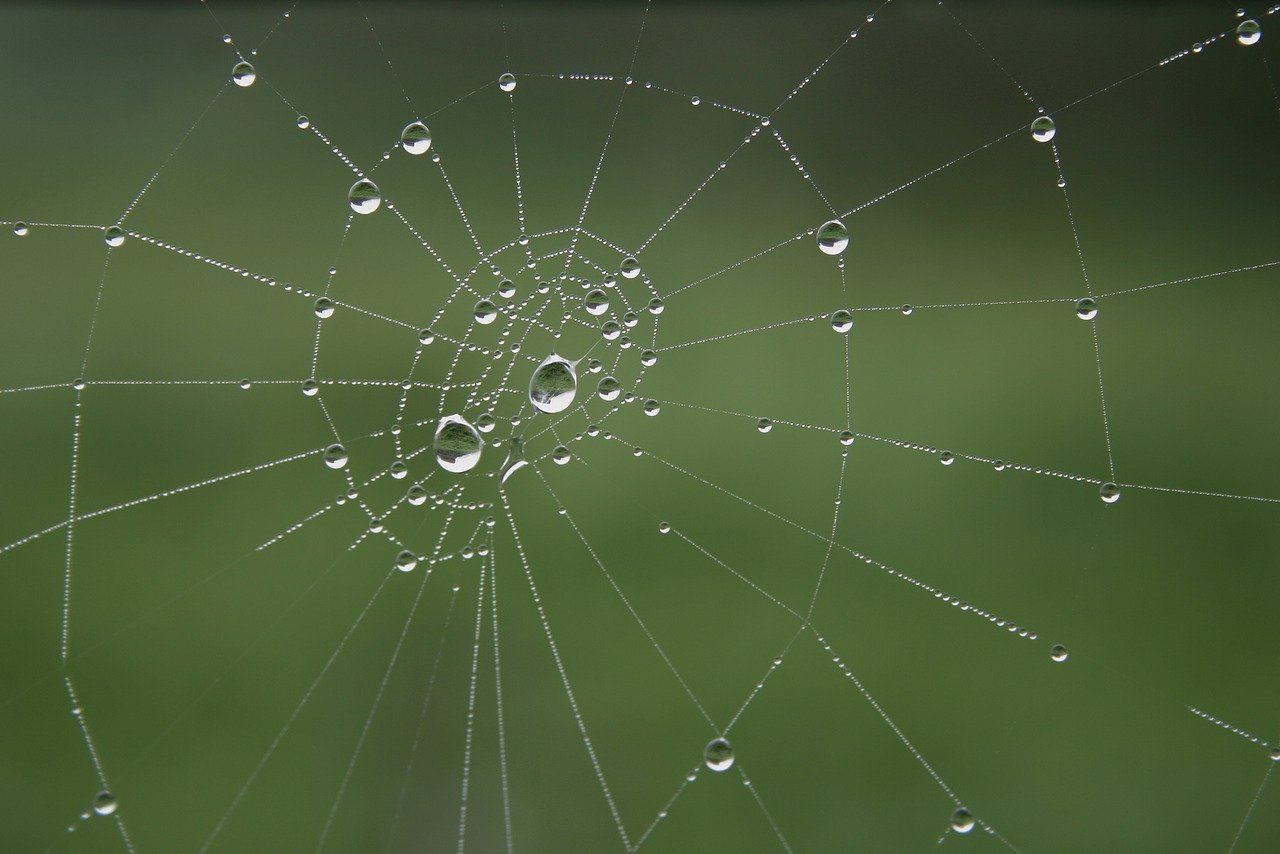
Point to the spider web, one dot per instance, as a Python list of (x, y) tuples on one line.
[(216, 640)]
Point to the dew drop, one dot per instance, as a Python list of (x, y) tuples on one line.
[(664, 527), (399, 470), (415, 138), (485, 423), (608, 388), (485, 312), (243, 75), (1248, 32), (630, 268), (596, 302), (842, 321), (561, 455), (648, 358), (364, 196), (226, 38), (303, 122), (594, 366), (764, 425), (652, 407), (998, 465), (610, 329), (1086, 309), (832, 237), (553, 385), (630, 320), (846, 437), (113, 235), (1109, 493), (77, 384), (718, 755), (467, 553), (335, 456), (406, 561), (104, 803), (1043, 129), (962, 820), (417, 495), (506, 289), (324, 308), (507, 82), (425, 337), (655, 306), (1058, 653), (1275, 754), (946, 458), (457, 444), (20, 229), (695, 100), (245, 384), (906, 310), (515, 459), (310, 387)]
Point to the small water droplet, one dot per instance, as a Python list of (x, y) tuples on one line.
[(242, 74), (113, 235), (303, 122), (608, 388), (655, 306), (962, 820), (832, 237), (485, 312), (364, 196), (594, 366), (77, 384), (324, 308), (1086, 309), (399, 470), (842, 321), (648, 358), (718, 755), (415, 138), (1197, 47), (553, 385), (596, 302), (104, 803), (20, 229), (664, 527), (610, 329), (1109, 493), (467, 553), (1249, 32), (630, 268), (695, 100), (1058, 653), (507, 82), (485, 422), (946, 458), (846, 437), (764, 425), (226, 38), (1043, 129), (1275, 754), (506, 289), (457, 444), (245, 384), (310, 387), (417, 495), (630, 320), (335, 456), (406, 561), (561, 455), (652, 407)]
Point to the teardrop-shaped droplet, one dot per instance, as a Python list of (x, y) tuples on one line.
[(842, 321), (719, 754), (596, 302), (485, 312), (242, 74), (561, 455), (608, 388), (833, 237), (1043, 129), (457, 444), (1086, 309), (113, 235), (324, 308), (1058, 653), (764, 425), (1109, 493), (1248, 32), (553, 385), (335, 456), (652, 407), (962, 820), (104, 803), (515, 459), (630, 268), (406, 561), (415, 138), (507, 82), (364, 196)]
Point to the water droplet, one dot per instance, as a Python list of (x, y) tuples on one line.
[(637, 451), (324, 308), (946, 458), (906, 310), (652, 407), (648, 358), (1248, 32), (608, 388), (832, 237), (962, 820), (1275, 754), (1043, 129), (364, 196), (630, 268), (1197, 47), (485, 312), (842, 321), (104, 803), (113, 235), (630, 320), (998, 465), (226, 38), (515, 459), (1058, 653), (553, 385), (695, 100), (310, 387), (467, 553), (245, 384), (335, 456), (507, 82), (303, 122), (596, 302), (664, 527), (1086, 309), (506, 289), (415, 138), (457, 444), (594, 366), (417, 495), (406, 561), (610, 329), (77, 384), (485, 422), (655, 306), (1109, 493), (718, 755), (846, 437), (242, 74), (425, 337), (764, 425), (561, 455), (20, 229), (399, 469)]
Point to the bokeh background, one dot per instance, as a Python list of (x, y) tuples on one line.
[(190, 649)]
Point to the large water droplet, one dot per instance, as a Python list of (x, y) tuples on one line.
[(425, 337), (652, 407), (764, 425), (104, 803), (335, 456), (946, 458), (415, 138), (1043, 129), (506, 289), (962, 820), (1248, 32), (417, 495), (364, 196), (610, 329), (1109, 493), (630, 268), (324, 308), (457, 444), (655, 305), (648, 358), (842, 321), (719, 754), (608, 388), (596, 302), (20, 229), (553, 385), (1086, 309), (1058, 653), (303, 122), (406, 561), (832, 237), (242, 74), (399, 470), (561, 455), (485, 312), (310, 387), (846, 437), (507, 82), (515, 459)]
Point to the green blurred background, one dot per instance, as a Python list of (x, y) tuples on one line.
[(190, 649)]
